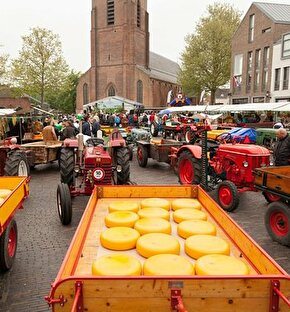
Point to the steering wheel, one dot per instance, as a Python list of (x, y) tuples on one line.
[(94, 142)]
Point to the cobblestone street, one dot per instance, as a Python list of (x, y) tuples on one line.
[(43, 241)]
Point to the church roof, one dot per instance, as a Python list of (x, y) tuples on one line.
[(278, 13)]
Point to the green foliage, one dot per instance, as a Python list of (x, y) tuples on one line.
[(206, 61), (3, 68)]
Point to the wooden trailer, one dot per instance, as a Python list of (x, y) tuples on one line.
[(75, 288)]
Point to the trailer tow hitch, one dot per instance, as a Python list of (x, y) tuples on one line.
[(61, 301), (275, 295)]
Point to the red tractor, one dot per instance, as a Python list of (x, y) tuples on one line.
[(228, 168), (82, 166)]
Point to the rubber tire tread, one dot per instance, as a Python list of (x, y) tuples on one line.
[(63, 194), (142, 162), (123, 159), (235, 194), (12, 162), (66, 165), (155, 132), (196, 164)]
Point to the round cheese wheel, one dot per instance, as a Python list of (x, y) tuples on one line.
[(5, 192), (153, 244), (185, 203), (220, 265), (152, 225), (194, 227), (121, 218), (166, 264), (154, 212), (188, 214), (123, 205), (117, 264), (155, 202), (197, 246), (119, 238), (1, 200)]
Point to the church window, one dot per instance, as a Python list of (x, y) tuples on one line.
[(138, 14), (85, 93), (139, 91), (110, 12), (111, 91)]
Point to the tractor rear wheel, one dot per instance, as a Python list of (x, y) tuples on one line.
[(8, 246), (228, 196), (142, 156), (123, 160), (277, 222), (16, 164), (190, 136), (66, 165), (270, 198), (64, 204), (154, 129), (189, 168)]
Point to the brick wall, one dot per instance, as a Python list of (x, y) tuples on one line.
[(8, 102)]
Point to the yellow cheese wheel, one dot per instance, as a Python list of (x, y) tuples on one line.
[(154, 212), (1, 200), (152, 225), (200, 245), (166, 264), (153, 244), (123, 205), (119, 238), (121, 218), (155, 202), (185, 203), (5, 192), (194, 227), (188, 214), (220, 265), (117, 264)]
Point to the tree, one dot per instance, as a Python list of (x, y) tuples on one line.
[(40, 68), (206, 61), (3, 67)]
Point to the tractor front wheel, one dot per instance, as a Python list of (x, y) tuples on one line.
[(228, 196), (277, 222), (154, 129), (123, 160), (142, 156), (64, 204), (16, 164), (66, 165), (8, 246), (189, 168)]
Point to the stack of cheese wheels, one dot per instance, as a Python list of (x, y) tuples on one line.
[(220, 265), (188, 214), (119, 238), (123, 205), (121, 218), (152, 225), (195, 227), (155, 202), (185, 203), (197, 246), (168, 264), (153, 244), (154, 212), (117, 264), (3, 194)]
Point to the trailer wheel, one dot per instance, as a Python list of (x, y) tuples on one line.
[(270, 198), (189, 169), (66, 165), (142, 156), (154, 129), (123, 160), (228, 196), (8, 246), (16, 164), (64, 204), (277, 222)]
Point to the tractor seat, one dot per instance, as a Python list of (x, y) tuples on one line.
[(94, 142)]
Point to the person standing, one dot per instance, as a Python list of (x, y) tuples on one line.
[(86, 127), (48, 133), (281, 150)]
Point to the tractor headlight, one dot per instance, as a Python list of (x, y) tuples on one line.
[(119, 168), (245, 164), (77, 169)]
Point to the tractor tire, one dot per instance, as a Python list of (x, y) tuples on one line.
[(66, 165), (190, 136), (123, 160), (130, 150), (64, 204), (154, 129), (142, 156), (228, 196), (16, 164), (271, 198), (189, 169), (8, 246), (277, 222)]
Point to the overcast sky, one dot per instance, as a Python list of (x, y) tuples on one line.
[(170, 21)]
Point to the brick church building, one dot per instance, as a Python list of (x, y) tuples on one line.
[(121, 63)]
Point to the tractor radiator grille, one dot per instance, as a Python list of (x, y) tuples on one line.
[(107, 180)]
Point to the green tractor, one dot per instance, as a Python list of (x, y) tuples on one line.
[(266, 137)]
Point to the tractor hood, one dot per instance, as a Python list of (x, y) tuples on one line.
[(96, 155), (248, 149)]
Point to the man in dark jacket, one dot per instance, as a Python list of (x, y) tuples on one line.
[(281, 151), (87, 126), (69, 132)]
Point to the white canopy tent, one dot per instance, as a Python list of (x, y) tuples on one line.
[(7, 111)]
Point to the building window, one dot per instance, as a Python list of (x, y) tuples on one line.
[(249, 72), (139, 91), (266, 30), (277, 79), (110, 12), (286, 46), (138, 14), (238, 71), (85, 93), (257, 69), (251, 28), (111, 91), (286, 78), (258, 59), (266, 58)]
